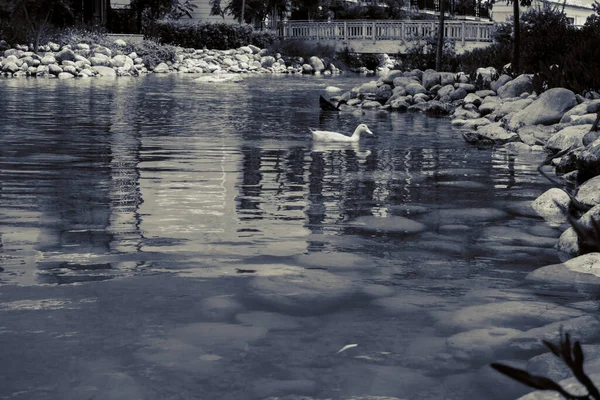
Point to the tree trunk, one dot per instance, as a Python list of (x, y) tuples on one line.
[(243, 9), (516, 40), (440, 42)]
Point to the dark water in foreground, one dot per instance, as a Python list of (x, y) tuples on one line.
[(171, 185)]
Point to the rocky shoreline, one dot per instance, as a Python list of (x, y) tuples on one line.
[(85, 61)]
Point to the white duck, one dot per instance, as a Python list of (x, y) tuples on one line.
[(328, 136)]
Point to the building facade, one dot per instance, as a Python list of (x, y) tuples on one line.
[(576, 11)]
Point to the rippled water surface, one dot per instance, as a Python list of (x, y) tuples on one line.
[(136, 213)]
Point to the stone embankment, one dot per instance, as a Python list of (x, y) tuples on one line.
[(84, 61)]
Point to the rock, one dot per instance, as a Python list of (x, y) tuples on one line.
[(589, 107), (447, 78), (65, 54), (391, 224), (48, 59), (65, 75), (420, 98), (476, 123), (220, 308), (571, 136), (550, 366), (122, 61), (498, 83), (472, 98), (431, 78), (480, 345), (508, 107), (54, 69), (317, 64), (383, 93), (414, 88), (568, 243), (433, 108), (370, 104), (267, 61), (536, 134), (399, 104), (97, 49), (445, 91), (571, 385), (588, 160), (586, 329), (254, 49), (496, 133), (161, 68), (516, 87), (507, 314), (584, 269), (458, 94), (120, 43), (403, 82), (83, 47), (10, 67), (550, 205), (548, 109), (106, 72), (589, 192), (393, 74), (99, 60), (220, 78), (485, 93), (368, 87), (485, 76), (309, 292)]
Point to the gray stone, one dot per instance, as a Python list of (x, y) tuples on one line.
[(403, 81), (550, 366), (161, 68), (120, 43), (480, 345), (368, 87), (472, 98), (393, 74), (589, 192), (317, 64), (585, 329), (550, 205), (430, 78), (548, 109), (485, 76), (516, 87), (588, 160), (496, 133), (458, 94), (105, 71), (445, 91), (584, 269), (308, 292), (507, 314), (498, 83), (65, 54), (588, 107), (568, 137), (383, 92), (10, 67), (54, 69), (414, 88), (447, 78), (65, 75)]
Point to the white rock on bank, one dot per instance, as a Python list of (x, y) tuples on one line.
[(550, 205), (546, 110)]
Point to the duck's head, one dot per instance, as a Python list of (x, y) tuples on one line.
[(363, 128)]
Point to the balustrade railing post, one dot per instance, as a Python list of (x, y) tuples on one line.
[(463, 33), (373, 32), (345, 31), (402, 31)]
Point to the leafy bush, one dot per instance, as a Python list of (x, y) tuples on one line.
[(421, 55), (217, 36), (496, 55), (354, 61)]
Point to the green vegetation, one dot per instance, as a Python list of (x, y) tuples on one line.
[(218, 36), (559, 54)]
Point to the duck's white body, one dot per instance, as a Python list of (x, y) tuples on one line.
[(328, 136)]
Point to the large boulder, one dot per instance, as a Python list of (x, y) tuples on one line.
[(65, 54), (589, 192), (103, 71), (496, 133), (430, 79), (548, 109), (383, 93), (403, 81), (389, 78), (414, 88), (588, 107), (368, 87), (567, 137), (498, 83), (550, 205), (588, 160), (485, 76), (516, 87), (317, 64)]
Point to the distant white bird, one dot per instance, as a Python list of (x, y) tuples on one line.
[(328, 136)]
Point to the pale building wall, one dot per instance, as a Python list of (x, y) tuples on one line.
[(202, 13), (577, 10)]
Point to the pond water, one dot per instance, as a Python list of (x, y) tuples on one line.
[(136, 213)]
